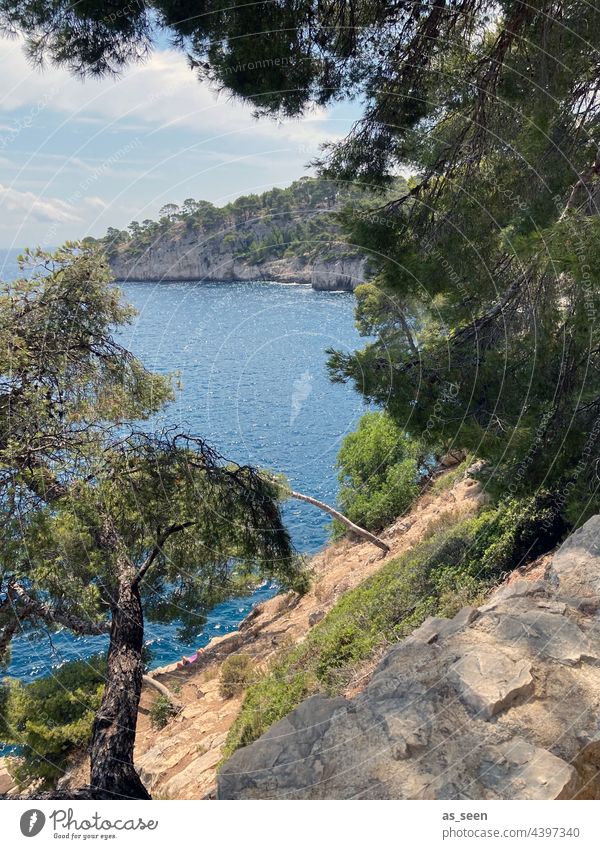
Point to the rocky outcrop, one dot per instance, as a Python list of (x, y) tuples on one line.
[(7, 783), (501, 702), (188, 258), (343, 273)]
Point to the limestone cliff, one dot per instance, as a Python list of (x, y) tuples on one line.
[(500, 702), (288, 235), (186, 257)]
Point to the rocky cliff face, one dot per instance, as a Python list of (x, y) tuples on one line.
[(501, 702), (216, 259)]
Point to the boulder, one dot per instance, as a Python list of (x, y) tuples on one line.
[(453, 458), (489, 681)]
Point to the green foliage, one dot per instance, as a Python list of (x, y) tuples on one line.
[(453, 567), (161, 710), (236, 673), (517, 531), (50, 718), (268, 701), (378, 471), (485, 296)]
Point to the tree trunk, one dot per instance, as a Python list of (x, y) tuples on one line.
[(113, 774), (356, 529)]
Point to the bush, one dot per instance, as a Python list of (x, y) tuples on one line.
[(236, 674), (49, 718), (517, 531), (378, 472), (268, 701), (161, 710)]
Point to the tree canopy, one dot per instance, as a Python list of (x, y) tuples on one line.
[(484, 306)]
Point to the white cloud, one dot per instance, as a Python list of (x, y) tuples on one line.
[(161, 93), (38, 209), (154, 135), (96, 203), (19, 205)]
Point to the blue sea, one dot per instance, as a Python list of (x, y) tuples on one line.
[(250, 362)]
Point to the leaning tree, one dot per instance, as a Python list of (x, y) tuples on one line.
[(105, 523)]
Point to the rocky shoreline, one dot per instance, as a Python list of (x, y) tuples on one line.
[(182, 261)]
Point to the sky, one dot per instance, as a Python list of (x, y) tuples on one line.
[(79, 156)]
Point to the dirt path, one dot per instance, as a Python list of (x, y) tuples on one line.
[(179, 761)]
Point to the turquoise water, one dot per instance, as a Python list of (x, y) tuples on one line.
[(251, 363)]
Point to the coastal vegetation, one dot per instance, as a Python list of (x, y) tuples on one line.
[(50, 718), (161, 710), (380, 470)]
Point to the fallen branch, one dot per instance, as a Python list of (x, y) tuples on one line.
[(356, 529), (164, 691)]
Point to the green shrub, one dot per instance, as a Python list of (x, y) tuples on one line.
[(161, 710), (236, 674), (267, 702), (449, 478), (517, 531), (49, 718), (378, 472)]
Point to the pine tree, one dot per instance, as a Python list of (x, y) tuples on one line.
[(104, 522)]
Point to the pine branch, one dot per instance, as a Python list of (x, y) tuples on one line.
[(172, 529), (26, 607)]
